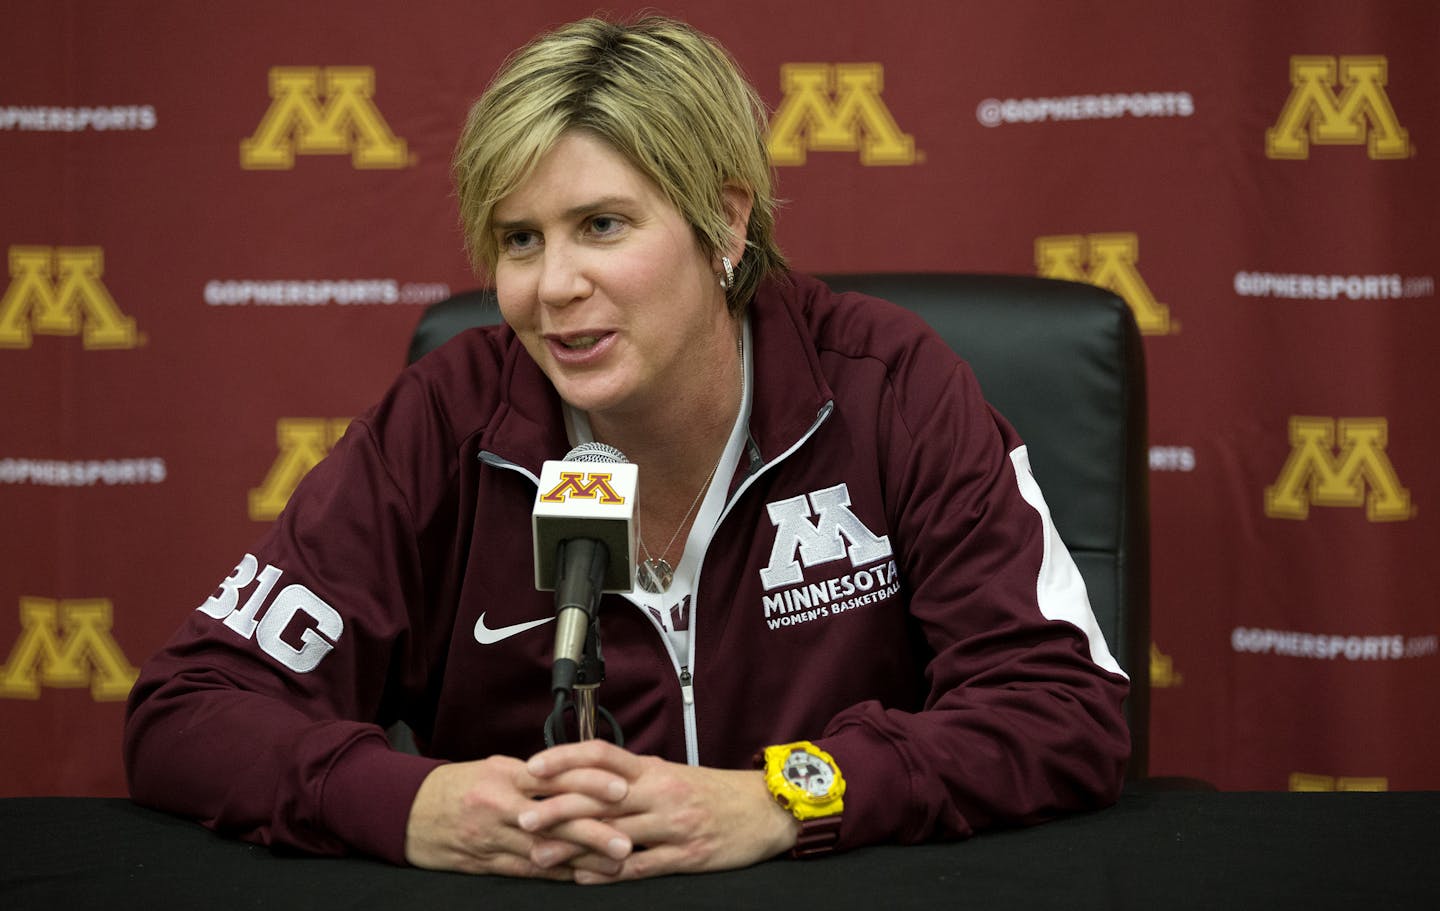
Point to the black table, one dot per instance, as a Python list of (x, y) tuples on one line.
[(1155, 850)]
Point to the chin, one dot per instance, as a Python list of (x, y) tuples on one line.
[(588, 397)]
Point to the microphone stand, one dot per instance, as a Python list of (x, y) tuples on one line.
[(587, 681), (590, 673)]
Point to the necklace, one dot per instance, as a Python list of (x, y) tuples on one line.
[(656, 574)]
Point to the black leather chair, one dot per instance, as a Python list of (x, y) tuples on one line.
[(1064, 363), (444, 320)]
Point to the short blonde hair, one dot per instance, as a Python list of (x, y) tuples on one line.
[(669, 99)]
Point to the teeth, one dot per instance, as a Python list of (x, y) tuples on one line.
[(584, 341)]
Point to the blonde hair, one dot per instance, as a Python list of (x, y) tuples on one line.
[(669, 99)]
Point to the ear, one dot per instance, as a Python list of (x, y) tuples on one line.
[(737, 201)]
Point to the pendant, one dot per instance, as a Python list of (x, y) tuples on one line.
[(655, 576)]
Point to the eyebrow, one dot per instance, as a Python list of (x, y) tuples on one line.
[(586, 208)]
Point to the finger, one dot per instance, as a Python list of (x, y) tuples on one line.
[(466, 859), (544, 815), (594, 754), (556, 852), (598, 878), (548, 853), (646, 829), (513, 851), (598, 784), (586, 833), (657, 861), (524, 867)]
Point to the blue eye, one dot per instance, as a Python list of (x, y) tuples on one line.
[(519, 241), (605, 224)]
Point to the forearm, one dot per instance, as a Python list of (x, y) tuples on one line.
[(1009, 756), (250, 766)]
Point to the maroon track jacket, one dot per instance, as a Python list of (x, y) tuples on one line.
[(885, 580)]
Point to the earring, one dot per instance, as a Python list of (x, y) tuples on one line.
[(729, 280)]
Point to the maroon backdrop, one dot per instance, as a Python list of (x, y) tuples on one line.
[(221, 222)]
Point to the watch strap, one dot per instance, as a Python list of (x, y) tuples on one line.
[(818, 837)]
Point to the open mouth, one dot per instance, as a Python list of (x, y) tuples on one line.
[(579, 341), (580, 347)]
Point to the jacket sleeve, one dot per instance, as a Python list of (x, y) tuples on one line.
[(1022, 714), (259, 717)]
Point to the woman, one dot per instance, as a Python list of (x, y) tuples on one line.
[(840, 543)]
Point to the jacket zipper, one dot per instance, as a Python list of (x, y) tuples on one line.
[(687, 686), (687, 677)]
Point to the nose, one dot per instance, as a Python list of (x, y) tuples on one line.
[(562, 276)]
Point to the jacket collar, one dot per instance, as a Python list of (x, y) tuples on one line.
[(529, 425), (790, 388)]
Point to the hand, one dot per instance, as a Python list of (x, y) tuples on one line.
[(465, 817), (687, 818)]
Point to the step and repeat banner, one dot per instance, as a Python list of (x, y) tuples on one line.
[(220, 222)]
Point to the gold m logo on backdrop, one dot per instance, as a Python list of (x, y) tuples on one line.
[(1360, 115), (836, 108), (1306, 781), (57, 291), (66, 644), (303, 442), (1163, 674), (1111, 259), (298, 124), (1358, 474)]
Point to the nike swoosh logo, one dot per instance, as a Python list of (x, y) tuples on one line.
[(487, 636)]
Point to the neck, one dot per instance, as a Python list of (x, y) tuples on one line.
[(678, 442)]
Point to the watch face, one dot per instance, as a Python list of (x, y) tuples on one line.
[(808, 773)]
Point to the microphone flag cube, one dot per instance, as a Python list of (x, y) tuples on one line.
[(586, 500)]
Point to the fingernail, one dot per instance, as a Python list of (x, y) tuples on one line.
[(528, 820), (617, 790), (618, 848)]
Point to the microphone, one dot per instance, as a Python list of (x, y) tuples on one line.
[(583, 525)]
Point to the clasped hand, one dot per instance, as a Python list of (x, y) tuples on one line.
[(593, 812)]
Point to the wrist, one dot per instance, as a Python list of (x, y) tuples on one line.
[(368, 795), (781, 827)]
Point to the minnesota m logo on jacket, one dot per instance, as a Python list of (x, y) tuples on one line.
[(819, 541)]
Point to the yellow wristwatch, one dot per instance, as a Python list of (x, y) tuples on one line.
[(806, 781)]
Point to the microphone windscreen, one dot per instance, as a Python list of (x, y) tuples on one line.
[(595, 452)]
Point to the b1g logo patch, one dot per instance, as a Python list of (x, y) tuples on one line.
[(319, 626)]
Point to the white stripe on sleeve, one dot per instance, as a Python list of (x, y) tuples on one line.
[(1060, 588)]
